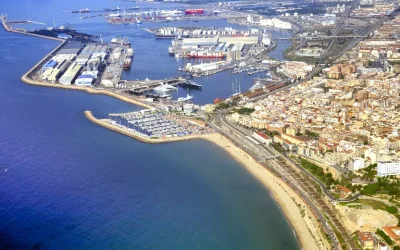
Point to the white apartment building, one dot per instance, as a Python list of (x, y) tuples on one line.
[(388, 168), (356, 163)]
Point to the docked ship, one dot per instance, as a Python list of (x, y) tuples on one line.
[(130, 52), (165, 36), (184, 99), (170, 36), (128, 63), (165, 88), (171, 51), (171, 13), (194, 11), (257, 85), (120, 40), (206, 55)]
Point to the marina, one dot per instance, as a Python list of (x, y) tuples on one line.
[(156, 125)]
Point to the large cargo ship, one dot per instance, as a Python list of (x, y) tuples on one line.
[(130, 52), (205, 55), (127, 63), (170, 36), (194, 11), (171, 13)]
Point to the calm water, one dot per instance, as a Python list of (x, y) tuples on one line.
[(68, 184)]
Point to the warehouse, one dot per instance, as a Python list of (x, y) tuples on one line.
[(241, 39), (198, 42), (84, 80), (46, 73), (82, 59), (53, 77), (70, 75), (49, 65), (71, 51), (63, 57), (86, 49), (63, 66)]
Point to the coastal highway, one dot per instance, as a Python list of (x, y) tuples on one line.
[(261, 153), (295, 176), (320, 183)]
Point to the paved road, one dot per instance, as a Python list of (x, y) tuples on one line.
[(260, 153)]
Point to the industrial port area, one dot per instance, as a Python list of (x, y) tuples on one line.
[(322, 118)]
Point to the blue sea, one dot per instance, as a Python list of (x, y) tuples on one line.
[(66, 183)]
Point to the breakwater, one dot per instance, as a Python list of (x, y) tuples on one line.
[(112, 127), (8, 28)]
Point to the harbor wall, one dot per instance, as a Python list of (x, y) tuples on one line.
[(107, 125), (8, 28)]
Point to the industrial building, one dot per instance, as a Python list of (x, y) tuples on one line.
[(49, 65), (71, 74), (189, 43), (84, 80)]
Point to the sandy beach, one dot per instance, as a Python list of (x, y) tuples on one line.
[(289, 201), (291, 204)]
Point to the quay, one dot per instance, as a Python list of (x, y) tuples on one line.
[(141, 87)]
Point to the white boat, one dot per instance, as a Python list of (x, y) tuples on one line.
[(114, 15), (165, 87), (163, 95), (184, 99), (236, 94), (120, 40), (257, 85), (138, 21)]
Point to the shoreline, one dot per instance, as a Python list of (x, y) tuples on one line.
[(286, 199), (281, 193)]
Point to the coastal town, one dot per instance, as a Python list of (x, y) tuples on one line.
[(320, 129)]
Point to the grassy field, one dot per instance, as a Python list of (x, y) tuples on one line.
[(373, 204)]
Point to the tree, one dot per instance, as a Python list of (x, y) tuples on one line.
[(391, 209)]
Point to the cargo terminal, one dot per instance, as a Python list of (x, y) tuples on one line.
[(84, 65), (231, 48)]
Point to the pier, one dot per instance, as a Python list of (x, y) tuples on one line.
[(141, 87)]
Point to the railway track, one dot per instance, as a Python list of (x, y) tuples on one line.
[(300, 182)]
